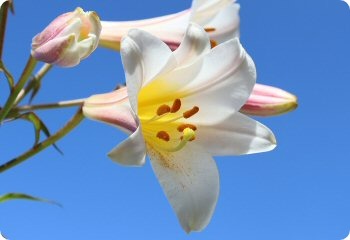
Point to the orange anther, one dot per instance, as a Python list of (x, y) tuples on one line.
[(209, 29), (183, 126), (213, 43), (163, 109), (163, 135), (176, 106), (191, 112)]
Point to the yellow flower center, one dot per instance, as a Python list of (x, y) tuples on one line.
[(164, 127)]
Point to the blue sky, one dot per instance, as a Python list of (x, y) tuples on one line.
[(298, 191)]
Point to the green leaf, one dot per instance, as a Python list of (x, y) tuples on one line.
[(38, 127), (34, 85), (22, 196), (8, 75)]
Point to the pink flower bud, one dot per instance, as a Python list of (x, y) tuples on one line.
[(269, 101), (68, 39)]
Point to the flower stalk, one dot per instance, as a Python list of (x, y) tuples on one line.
[(18, 87), (36, 81), (3, 20), (45, 106), (69, 126)]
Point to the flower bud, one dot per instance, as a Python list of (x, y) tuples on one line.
[(269, 101), (68, 39)]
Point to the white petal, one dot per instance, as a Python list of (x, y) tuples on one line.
[(87, 46), (73, 27), (131, 152), (190, 180), (2, 2), (225, 24), (219, 83), (236, 135), (202, 10), (194, 45), (169, 28), (144, 57), (222, 85)]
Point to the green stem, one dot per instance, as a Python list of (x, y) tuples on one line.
[(42, 72), (17, 89), (3, 20), (36, 80), (62, 104), (70, 125)]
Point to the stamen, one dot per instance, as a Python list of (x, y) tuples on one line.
[(213, 43), (176, 106), (188, 135), (191, 112), (163, 135), (163, 109), (182, 127), (209, 29)]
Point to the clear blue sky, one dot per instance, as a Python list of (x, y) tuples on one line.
[(299, 191)]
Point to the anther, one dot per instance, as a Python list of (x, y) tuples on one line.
[(163, 109), (209, 29), (213, 43), (176, 106), (191, 112), (163, 135), (182, 127)]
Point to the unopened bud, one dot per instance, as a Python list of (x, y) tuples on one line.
[(68, 39), (269, 101)]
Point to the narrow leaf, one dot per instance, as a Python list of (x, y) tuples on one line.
[(34, 86), (22, 196), (8, 75), (38, 127)]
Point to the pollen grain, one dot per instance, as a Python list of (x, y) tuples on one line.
[(191, 112), (163, 135), (209, 29), (163, 109), (176, 106)]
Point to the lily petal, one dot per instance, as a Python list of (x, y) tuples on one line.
[(190, 180), (219, 81), (236, 135), (204, 10), (219, 17), (112, 108), (144, 57), (224, 25), (195, 44), (224, 82), (131, 152)]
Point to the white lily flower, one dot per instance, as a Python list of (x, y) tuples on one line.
[(184, 106), (220, 18)]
